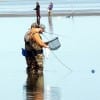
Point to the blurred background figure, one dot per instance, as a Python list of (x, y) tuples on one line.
[(37, 8), (50, 7), (35, 87)]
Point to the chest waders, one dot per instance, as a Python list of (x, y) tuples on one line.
[(34, 57)]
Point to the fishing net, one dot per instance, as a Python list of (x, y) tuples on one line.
[(54, 44)]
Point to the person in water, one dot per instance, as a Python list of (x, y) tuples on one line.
[(50, 8), (37, 8), (34, 46)]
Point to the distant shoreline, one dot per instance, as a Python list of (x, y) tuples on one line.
[(54, 13)]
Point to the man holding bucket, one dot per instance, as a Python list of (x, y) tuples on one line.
[(34, 47)]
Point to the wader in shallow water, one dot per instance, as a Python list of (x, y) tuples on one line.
[(34, 59)]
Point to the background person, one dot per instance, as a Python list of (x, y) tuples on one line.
[(37, 8), (50, 7)]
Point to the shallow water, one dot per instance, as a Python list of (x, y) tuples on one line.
[(67, 71)]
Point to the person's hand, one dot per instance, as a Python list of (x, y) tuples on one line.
[(47, 46), (46, 43), (34, 9)]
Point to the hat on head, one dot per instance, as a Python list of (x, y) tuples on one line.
[(42, 26), (34, 25)]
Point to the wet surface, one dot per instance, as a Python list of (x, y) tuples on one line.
[(71, 72), (35, 87)]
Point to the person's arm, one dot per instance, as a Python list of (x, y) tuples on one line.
[(36, 37), (38, 40)]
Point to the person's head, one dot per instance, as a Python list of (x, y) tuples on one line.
[(34, 25), (41, 27), (37, 3)]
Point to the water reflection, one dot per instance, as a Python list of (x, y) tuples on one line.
[(52, 93), (50, 24), (35, 87)]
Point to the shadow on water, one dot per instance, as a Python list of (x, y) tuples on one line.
[(34, 89)]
